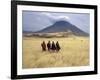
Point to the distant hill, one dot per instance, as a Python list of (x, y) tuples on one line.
[(63, 26)]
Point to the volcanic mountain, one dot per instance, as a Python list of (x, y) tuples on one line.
[(63, 26)]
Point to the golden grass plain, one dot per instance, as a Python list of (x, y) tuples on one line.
[(74, 52)]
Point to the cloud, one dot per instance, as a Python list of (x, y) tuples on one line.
[(55, 16)]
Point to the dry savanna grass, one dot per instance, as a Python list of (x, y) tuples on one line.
[(74, 52)]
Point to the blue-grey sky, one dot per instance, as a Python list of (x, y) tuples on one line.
[(35, 21)]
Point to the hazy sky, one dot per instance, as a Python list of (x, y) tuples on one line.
[(35, 21)]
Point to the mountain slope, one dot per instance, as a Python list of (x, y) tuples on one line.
[(63, 26)]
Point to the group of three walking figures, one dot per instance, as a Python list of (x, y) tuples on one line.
[(51, 47)]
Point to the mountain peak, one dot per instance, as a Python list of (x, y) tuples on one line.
[(61, 22)]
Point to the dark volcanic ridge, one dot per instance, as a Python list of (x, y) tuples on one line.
[(63, 26)]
